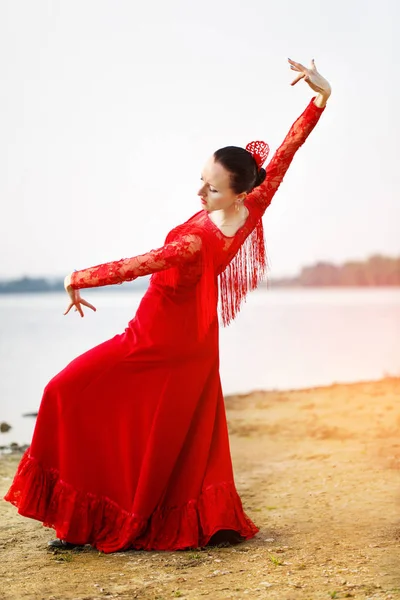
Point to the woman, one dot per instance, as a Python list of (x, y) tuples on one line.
[(131, 448)]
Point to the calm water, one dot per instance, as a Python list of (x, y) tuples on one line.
[(281, 339)]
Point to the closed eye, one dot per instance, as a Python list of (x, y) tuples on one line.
[(211, 189)]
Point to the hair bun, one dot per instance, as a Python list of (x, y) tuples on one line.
[(261, 175)]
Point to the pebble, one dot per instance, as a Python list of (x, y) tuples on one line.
[(218, 572)]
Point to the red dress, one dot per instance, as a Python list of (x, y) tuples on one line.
[(131, 447)]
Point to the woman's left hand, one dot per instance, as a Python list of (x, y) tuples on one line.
[(311, 76), (75, 298)]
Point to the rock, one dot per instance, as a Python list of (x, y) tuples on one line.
[(4, 427), (218, 572), (14, 448)]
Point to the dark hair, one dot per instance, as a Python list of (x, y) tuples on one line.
[(242, 166)]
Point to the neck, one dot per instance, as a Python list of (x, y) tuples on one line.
[(227, 215)]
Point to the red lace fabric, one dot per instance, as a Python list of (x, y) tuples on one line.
[(261, 196), (176, 253)]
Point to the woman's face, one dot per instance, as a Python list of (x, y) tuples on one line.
[(215, 191)]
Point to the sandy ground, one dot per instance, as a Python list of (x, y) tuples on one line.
[(318, 470)]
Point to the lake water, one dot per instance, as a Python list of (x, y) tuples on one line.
[(282, 339)]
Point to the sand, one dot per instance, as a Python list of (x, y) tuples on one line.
[(318, 470)]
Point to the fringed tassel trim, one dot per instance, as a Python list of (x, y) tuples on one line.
[(243, 273)]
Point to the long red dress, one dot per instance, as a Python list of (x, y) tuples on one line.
[(131, 447)]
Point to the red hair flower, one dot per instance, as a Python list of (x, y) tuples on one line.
[(259, 150)]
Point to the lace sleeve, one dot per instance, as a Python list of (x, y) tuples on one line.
[(176, 253), (261, 197)]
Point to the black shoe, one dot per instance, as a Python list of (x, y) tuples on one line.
[(225, 537), (62, 545)]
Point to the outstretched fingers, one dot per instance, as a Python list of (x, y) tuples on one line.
[(69, 308), (86, 303), (301, 69), (78, 308), (297, 79), (296, 66)]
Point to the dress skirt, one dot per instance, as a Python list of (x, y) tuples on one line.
[(131, 447)]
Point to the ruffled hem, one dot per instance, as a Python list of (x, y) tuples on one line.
[(84, 518)]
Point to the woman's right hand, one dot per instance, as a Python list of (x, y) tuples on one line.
[(75, 298)]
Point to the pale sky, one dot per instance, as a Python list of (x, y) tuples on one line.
[(109, 110)]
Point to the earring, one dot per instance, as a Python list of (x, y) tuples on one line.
[(237, 206)]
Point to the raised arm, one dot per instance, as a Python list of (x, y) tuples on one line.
[(175, 253), (262, 195), (260, 198)]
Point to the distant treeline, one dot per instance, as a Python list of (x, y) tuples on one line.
[(41, 284), (376, 271)]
